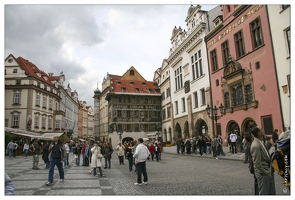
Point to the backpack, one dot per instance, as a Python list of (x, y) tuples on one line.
[(280, 160)]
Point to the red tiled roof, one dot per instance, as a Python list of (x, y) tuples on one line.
[(32, 70), (147, 87), (114, 77)]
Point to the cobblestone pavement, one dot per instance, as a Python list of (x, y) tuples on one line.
[(175, 174)]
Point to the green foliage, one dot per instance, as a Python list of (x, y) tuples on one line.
[(8, 137)]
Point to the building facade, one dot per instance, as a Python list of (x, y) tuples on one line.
[(134, 108), (33, 98), (162, 77), (189, 77), (280, 25), (242, 70)]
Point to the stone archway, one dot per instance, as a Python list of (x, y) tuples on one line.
[(127, 139), (178, 131), (186, 130), (200, 128), (232, 126), (247, 124)]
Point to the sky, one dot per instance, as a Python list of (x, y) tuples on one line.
[(86, 42)]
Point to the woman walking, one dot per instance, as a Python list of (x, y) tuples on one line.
[(96, 159), (26, 149)]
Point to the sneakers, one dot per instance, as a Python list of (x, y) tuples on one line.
[(48, 183), (138, 183), (145, 183), (61, 180)]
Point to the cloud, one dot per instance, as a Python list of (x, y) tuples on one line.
[(88, 41)]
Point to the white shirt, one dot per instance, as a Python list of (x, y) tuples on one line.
[(233, 137)]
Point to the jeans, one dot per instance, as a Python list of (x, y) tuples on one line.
[(177, 149), (26, 152), (106, 161), (94, 171), (67, 160), (209, 149), (58, 163), (233, 147), (130, 161), (10, 152), (78, 159), (141, 169)]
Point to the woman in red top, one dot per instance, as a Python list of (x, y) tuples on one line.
[(152, 150)]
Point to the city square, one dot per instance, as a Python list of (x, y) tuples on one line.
[(174, 174)]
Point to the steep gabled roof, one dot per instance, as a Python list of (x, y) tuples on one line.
[(129, 86), (32, 70)]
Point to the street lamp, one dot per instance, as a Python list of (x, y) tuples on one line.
[(118, 133), (213, 113)]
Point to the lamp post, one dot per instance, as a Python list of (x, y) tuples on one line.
[(213, 114)]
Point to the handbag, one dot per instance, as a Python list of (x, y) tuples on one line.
[(99, 156)]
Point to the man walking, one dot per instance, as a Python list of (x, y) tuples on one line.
[(10, 147), (233, 141), (36, 152), (263, 169), (141, 154), (56, 156)]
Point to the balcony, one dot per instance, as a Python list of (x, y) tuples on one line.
[(59, 112)]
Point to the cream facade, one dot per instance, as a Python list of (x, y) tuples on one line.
[(189, 77), (32, 98), (280, 26)]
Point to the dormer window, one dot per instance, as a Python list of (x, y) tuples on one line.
[(123, 89), (136, 89), (143, 83), (119, 83), (131, 83)]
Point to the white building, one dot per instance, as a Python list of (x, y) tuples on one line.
[(280, 25), (189, 78)]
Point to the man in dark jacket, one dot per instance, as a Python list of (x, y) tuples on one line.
[(46, 154), (56, 156), (107, 154)]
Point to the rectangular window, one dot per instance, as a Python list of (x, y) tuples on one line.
[(57, 124), (288, 37), (17, 82), (176, 107), (163, 95), (196, 99), (226, 100), (36, 121), (43, 122), (178, 79), (37, 99), (128, 113), (267, 125), (197, 69), (168, 92), (203, 97), (237, 95), (49, 123), (225, 52), (248, 95), (119, 113), (214, 64), (183, 104), (14, 70), (50, 104), (16, 98), (15, 121), (163, 114), (256, 33), (44, 102), (239, 44), (168, 112)]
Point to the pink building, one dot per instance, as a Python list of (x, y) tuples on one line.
[(242, 70)]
